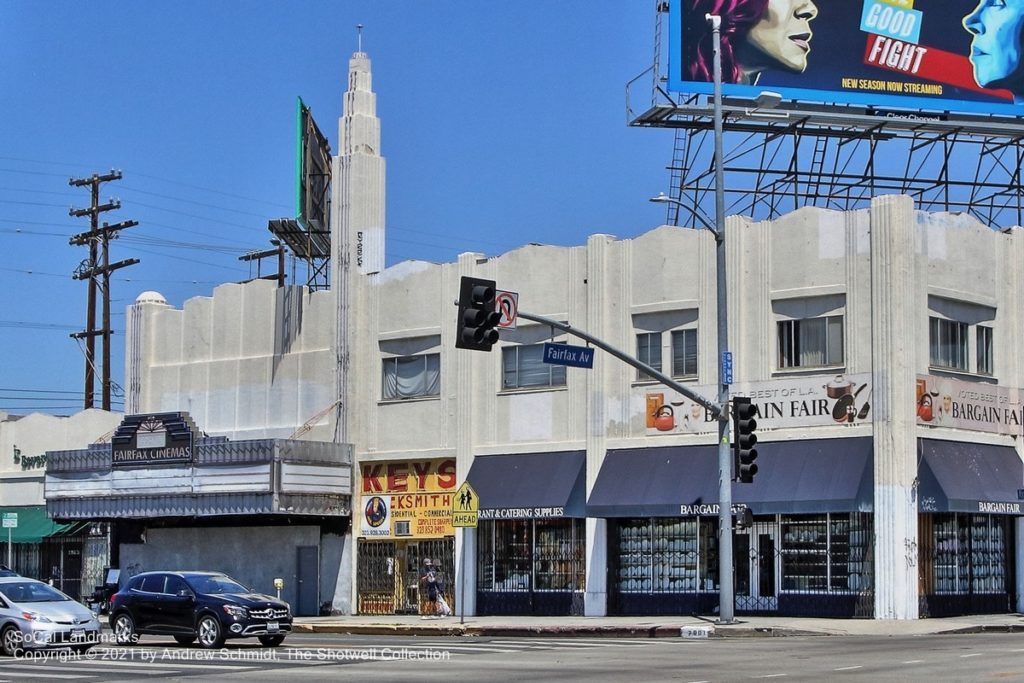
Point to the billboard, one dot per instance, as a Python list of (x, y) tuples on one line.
[(312, 171), (936, 55)]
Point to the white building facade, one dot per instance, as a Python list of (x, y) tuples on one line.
[(880, 346)]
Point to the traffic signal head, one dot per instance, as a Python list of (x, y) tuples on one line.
[(478, 318), (744, 439)]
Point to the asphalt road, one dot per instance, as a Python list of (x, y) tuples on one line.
[(320, 657)]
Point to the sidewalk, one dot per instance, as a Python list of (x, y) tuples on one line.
[(651, 627)]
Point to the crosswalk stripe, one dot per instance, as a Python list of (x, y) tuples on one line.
[(88, 668), (141, 656), (48, 676)]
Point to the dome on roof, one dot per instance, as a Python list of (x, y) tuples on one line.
[(150, 297)]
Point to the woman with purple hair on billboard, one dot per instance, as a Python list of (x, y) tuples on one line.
[(756, 35)]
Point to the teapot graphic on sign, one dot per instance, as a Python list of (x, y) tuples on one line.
[(924, 408), (664, 419)]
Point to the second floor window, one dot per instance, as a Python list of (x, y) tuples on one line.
[(412, 376), (985, 366), (648, 350), (811, 342), (684, 353), (947, 344), (524, 366)]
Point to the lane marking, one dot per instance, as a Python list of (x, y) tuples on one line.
[(771, 676), (914, 661), (849, 668), (973, 654), (21, 674)]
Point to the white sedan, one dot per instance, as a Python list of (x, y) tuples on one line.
[(35, 615)]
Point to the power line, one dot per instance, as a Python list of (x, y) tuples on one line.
[(41, 391)]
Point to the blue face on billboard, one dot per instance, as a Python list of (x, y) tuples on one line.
[(935, 55)]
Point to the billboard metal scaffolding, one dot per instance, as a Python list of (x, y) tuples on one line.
[(831, 156)]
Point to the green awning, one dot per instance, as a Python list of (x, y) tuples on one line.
[(33, 524)]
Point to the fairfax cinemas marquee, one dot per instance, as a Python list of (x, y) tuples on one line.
[(153, 439)]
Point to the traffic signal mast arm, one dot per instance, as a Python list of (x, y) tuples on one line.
[(715, 409)]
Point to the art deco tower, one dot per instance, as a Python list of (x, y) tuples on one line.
[(357, 222)]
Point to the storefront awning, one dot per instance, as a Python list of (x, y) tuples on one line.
[(969, 477), (33, 525), (527, 486), (809, 476)]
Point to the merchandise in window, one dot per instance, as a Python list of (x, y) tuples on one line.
[(524, 367), (812, 342), (526, 555), (826, 553), (411, 376), (684, 353), (947, 343)]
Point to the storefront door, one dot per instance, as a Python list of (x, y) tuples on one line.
[(755, 559)]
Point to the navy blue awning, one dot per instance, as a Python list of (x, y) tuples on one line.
[(809, 476), (530, 485), (969, 477)]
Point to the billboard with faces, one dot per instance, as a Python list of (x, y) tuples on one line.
[(930, 55)]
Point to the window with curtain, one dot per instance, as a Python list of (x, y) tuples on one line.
[(524, 366), (411, 376), (684, 353), (947, 344), (648, 350), (811, 342)]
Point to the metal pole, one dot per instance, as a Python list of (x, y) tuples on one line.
[(725, 568), (462, 580), (10, 563)]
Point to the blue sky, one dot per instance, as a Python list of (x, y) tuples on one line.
[(502, 124)]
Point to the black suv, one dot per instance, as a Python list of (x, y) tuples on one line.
[(188, 605)]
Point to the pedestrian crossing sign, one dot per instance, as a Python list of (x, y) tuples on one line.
[(465, 506)]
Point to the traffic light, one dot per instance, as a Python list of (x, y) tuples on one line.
[(744, 439), (477, 315)]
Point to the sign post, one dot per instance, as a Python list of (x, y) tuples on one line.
[(465, 510), (10, 521)]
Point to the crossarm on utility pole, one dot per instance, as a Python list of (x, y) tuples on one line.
[(712, 407)]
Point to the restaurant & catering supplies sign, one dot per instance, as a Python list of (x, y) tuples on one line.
[(406, 498), (938, 55)]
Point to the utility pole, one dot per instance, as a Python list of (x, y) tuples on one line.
[(97, 268), (258, 257)]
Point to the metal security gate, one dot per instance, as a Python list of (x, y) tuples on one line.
[(756, 559), (531, 567), (388, 574)]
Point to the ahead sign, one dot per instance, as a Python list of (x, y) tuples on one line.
[(465, 506)]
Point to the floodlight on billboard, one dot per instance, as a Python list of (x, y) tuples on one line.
[(936, 55), (312, 171)]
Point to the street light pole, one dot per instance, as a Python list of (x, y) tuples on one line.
[(726, 598)]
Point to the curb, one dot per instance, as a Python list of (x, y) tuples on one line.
[(458, 630)]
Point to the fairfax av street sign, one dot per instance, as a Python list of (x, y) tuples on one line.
[(566, 354)]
